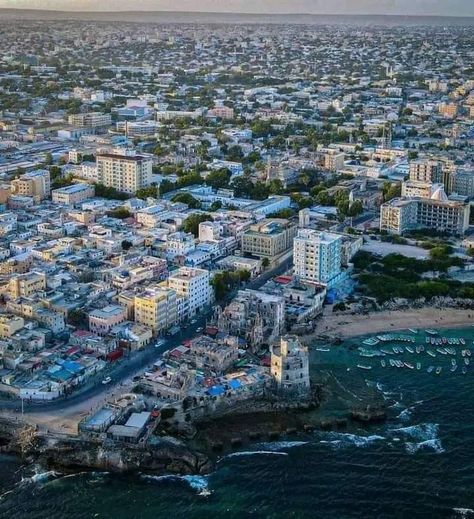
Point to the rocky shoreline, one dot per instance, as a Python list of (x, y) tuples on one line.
[(193, 454)]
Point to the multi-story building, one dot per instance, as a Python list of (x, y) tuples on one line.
[(179, 244), (290, 365), (333, 160), (25, 285), (403, 214), (414, 188), (124, 171), (74, 194), (10, 324), (157, 309), (193, 284), (426, 170), (90, 120), (269, 238), (102, 320), (35, 184), (317, 256)]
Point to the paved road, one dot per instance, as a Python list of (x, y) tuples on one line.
[(129, 366)]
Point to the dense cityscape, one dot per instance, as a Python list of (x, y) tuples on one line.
[(186, 209)]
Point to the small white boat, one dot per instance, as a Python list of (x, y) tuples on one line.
[(408, 365), (409, 349), (464, 370), (431, 353), (430, 369), (362, 366), (322, 349), (383, 363), (418, 366), (438, 370), (412, 330), (431, 332)]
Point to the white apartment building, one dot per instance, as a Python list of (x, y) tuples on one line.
[(179, 244), (124, 171), (210, 231), (317, 256), (193, 284), (74, 194)]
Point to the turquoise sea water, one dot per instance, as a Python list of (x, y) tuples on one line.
[(418, 464)]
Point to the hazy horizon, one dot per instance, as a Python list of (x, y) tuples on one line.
[(341, 7)]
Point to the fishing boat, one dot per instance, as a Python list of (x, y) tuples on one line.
[(431, 353), (431, 332), (453, 362), (454, 367), (468, 353), (408, 365), (462, 341), (466, 361), (427, 340), (392, 363), (409, 349), (438, 370), (442, 351), (412, 330), (418, 366), (464, 370), (322, 349), (383, 363), (362, 366), (422, 348), (430, 369)]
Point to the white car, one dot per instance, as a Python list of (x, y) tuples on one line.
[(159, 343), (107, 380)]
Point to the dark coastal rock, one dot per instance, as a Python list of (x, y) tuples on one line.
[(369, 416), (162, 458)]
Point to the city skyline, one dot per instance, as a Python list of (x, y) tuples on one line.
[(337, 7)]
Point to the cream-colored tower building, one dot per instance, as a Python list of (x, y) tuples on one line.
[(290, 364)]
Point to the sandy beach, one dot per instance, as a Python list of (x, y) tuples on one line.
[(344, 326)]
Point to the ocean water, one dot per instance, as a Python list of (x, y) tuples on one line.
[(420, 463)]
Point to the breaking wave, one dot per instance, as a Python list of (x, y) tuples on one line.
[(198, 483), (344, 440)]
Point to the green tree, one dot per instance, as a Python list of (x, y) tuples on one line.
[(219, 178), (191, 224), (188, 199)]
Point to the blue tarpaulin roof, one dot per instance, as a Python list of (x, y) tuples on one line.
[(216, 390), (234, 384)]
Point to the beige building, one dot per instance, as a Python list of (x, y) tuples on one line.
[(333, 160), (403, 214), (26, 285), (90, 120), (74, 194), (290, 364), (426, 170), (157, 308), (36, 184), (269, 238), (126, 173), (10, 324)]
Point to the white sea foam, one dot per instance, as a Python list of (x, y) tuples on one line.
[(405, 415), (421, 437), (464, 512), (40, 477), (198, 483), (344, 440), (434, 445), (255, 453), (420, 432), (279, 446)]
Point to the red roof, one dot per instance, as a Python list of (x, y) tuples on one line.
[(284, 280)]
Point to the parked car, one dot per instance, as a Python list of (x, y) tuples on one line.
[(107, 380)]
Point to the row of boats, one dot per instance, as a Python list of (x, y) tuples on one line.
[(396, 363), (437, 341)]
